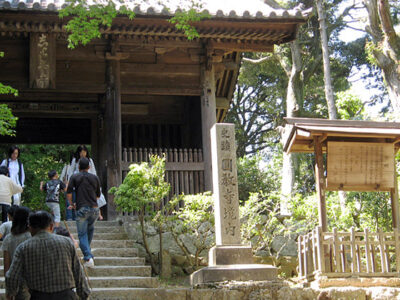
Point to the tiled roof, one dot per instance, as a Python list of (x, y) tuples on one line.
[(235, 9)]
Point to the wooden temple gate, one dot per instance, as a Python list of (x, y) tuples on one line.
[(142, 84), (360, 157)]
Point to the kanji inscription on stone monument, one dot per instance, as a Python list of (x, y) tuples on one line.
[(227, 225)]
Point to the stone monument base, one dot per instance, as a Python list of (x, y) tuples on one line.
[(240, 272), (230, 255)]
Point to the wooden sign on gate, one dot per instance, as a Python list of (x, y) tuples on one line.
[(353, 166)]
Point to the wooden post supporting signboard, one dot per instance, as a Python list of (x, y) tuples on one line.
[(320, 183), (394, 196)]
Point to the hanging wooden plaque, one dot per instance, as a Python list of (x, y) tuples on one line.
[(360, 166)]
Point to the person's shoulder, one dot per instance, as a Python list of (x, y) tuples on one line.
[(63, 240), (6, 240), (6, 224)]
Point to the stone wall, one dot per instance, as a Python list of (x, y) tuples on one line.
[(286, 262)]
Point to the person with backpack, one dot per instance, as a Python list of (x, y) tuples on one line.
[(15, 171), (53, 188)]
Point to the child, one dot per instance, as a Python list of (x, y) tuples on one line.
[(53, 188)]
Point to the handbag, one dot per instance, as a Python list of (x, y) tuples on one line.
[(101, 201)]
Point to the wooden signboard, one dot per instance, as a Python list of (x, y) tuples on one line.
[(360, 166)]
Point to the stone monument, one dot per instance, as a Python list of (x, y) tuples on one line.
[(229, 259)]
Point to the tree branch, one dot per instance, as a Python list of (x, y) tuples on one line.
[(257, 61)]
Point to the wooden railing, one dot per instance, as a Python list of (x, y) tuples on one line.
[(184, 167), (344, 254)]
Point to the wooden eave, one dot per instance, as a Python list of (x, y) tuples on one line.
[(221, 33), (299, 133)]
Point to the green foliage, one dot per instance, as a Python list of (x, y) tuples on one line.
[(87, 20), (349, 106), (6, 89), (7, 120), (196, 219), (252, 177), (183, 20), (259, 222), (371, 48), (37, 161), (143, 187)]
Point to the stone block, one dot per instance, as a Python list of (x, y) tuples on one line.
[(242, 272), (230, 255)]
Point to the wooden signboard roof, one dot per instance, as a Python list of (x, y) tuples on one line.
[(299, 133)]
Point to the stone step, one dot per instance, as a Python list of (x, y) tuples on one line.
[(143, 271), (112, 252), (119, 261), (98, 223), (111, 243), (118, 229), (124, 282), (114, 282), (112, 261), (106, 236), (167, 294), (133, 294)]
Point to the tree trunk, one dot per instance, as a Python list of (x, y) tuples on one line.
[(330, 99), (146, 245), (386, 48), (325, 56), (293, 99)]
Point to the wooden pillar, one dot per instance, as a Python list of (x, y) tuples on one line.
[(320, 183), (94, 140), (112, 120), (394, 196), (208, 119), (102, 157)]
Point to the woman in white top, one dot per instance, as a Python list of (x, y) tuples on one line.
[(81, 151), (16, 170)]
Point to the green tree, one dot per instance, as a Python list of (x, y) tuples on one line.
[(194, 219), (7, 119), (143, 188)]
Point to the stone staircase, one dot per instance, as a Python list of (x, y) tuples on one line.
[(118, 273)]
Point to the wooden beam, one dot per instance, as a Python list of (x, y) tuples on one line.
[(222, 103), (242, 46), (135, 109), (54, 108), (208, 119), (160, 69), (154, 90), (320, 183)]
